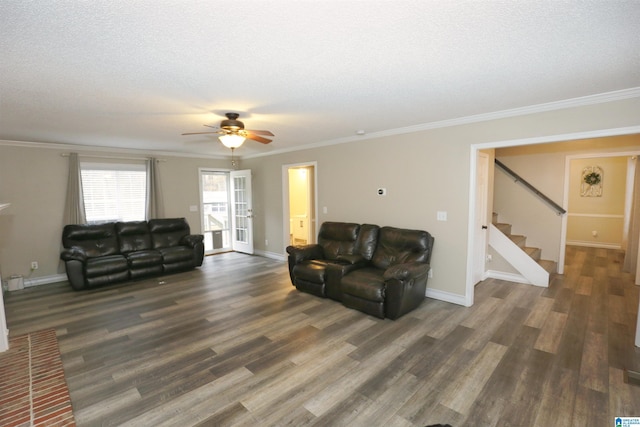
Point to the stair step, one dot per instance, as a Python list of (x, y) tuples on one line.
[(550, 266), (518, 239), (534, 253), (505, 228)]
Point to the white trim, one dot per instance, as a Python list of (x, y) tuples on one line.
[(518, 258), (45, 280), (613, 96), (593, 245), (532, 109), (446, 296), (509, 277), (271, 255), (588, 215), (102, 149)]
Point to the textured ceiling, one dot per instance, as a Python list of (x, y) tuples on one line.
[(137, 74)]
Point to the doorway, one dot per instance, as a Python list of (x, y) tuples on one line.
[(300, 203), (225, 203)]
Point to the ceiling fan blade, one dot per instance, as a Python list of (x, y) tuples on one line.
[(260, 132), (198, 133), (257, 138), (212, 127)]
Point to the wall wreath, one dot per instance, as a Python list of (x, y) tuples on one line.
[(591, 184)]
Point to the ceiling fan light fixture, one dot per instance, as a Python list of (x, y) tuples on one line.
[(231, 140)]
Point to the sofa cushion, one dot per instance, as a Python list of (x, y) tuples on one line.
[(94, 240), (168, 232), (106, 265), (176, 254), (141, 259), (133, 236)]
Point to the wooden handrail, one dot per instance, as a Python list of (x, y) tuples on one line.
[(559, 210)]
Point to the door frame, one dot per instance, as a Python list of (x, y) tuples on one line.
[(474, 148), (482, 217), (285, 200), (200, 210), (238, 246)]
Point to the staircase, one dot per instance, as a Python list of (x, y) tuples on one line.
[(533, 268)]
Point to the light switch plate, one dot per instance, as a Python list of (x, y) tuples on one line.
[(441, 216)]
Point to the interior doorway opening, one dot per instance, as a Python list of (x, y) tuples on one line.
[(300, 204)]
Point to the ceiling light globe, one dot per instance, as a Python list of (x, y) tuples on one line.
[(231, 140)]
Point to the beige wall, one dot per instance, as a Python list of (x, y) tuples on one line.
[(33, 179), (603, 215), (424, 172)]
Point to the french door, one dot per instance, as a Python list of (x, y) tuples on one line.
[(241, 211), (225, 203)]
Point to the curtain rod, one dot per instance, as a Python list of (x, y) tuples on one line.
[(113, 157)]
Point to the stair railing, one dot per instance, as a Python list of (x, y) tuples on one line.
[(559, 210)]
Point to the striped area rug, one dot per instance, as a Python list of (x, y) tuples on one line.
[(33, 390)]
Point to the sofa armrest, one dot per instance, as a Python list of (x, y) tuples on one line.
[(406, 286), (73, 253), (304, 252), (192, 240), (406, 271)]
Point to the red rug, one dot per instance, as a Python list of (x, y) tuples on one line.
[(33, 391)]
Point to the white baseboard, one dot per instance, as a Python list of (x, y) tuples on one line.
[(272, 255), (593, 245), (445, 296), (45, 280), (509, 277)]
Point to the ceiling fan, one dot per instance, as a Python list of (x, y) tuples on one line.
[(232, 132)]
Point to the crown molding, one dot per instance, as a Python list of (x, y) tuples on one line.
[(102, 149), (583, 101), (522, 111)]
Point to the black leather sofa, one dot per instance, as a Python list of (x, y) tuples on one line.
[(101, 254), (381, 271)]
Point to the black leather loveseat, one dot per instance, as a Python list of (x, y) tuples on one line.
[(381, 271), (100, 254)]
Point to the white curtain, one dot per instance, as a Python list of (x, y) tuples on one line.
[(631, 253), (74, 212), (155, 203)]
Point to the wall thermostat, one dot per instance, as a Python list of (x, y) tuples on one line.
[(382, 191)]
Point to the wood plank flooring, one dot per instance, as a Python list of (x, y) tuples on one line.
[(233, 343)]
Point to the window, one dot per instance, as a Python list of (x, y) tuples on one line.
[(114, 192)]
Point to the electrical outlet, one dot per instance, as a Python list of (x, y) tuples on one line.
[(34, 265), (430, 274)]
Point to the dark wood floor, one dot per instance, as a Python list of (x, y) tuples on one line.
[(233, 343)]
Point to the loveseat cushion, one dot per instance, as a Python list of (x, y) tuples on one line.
[(365, 283), (399, 246), (337, 238), (311, 270)]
